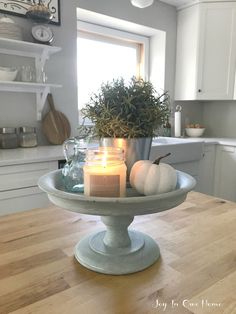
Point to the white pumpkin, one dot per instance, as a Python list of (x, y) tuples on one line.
[(150, 178)]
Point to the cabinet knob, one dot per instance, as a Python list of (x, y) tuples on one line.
[(199, 90)]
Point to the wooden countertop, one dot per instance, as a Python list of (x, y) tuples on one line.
[(196, 272)]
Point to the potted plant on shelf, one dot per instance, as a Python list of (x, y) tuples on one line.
[(128, 116)]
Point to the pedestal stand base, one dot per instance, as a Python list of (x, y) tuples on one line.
[(117, 250), (92, 253)]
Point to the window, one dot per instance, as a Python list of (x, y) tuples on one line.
[(104, 54)]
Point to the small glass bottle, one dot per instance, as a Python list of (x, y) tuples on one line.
[(72, 172), (8, 138), (105, 172), (27, 137)]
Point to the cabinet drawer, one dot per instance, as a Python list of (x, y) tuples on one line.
[(22, 199), (24, 175)]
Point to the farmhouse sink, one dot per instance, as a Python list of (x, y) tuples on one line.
[(182, 150), (168, 140)]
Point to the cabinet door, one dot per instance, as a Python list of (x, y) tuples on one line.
[(217, 51), (205, 182), (225, 172), (22, 199), (24, 175), (18, 186), (186, 53)]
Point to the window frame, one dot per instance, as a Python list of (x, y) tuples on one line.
[(112, 34)]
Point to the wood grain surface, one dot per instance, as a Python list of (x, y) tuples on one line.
[(55, 124), (195, 274)]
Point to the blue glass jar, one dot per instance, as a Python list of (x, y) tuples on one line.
[(73, 174)]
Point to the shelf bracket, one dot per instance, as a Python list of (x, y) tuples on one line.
[(40, 63), (40, 101)]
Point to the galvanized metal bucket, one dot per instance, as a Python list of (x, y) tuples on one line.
[(134, 148)]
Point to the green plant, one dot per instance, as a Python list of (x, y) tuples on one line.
[(127, 110)]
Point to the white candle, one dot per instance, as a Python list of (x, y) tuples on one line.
[(105, 173)]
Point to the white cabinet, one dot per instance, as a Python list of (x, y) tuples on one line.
[(206, 52), (225, 172), (206, 177), (18, 186), (217, 171), (191, 168), (40, 53)]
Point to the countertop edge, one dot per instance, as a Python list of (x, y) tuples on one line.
[(47, 153), (213, 140), (9, 157)]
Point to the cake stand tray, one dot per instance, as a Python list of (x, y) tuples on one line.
[(116, 250)]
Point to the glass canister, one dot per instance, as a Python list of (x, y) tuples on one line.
[(27, 137), (105, 172), (73, 175), (28, 73), (8, 138)]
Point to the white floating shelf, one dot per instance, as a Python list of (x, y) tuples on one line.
[(26, 49), (41, 90), (40, 53), (15, 86)]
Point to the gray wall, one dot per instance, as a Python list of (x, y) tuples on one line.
[(220, 118), (192, 112), (19, 109)]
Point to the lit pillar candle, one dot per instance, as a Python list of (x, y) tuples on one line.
[(105, 172)]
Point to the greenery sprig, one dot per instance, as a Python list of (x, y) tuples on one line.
[(127, 110)]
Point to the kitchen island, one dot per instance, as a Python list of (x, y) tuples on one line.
[(195, 274)]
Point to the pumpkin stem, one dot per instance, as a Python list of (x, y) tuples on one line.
[(157, 161)]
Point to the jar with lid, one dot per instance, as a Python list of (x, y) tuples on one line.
[(8, 138), (27, 137), (105, 172)]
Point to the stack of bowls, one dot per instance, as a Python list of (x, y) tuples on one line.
[(8, 74), (9, 29)]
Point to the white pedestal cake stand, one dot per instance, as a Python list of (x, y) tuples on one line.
[(116, 250)]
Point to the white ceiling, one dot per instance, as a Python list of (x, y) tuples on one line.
[(177, 3)]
